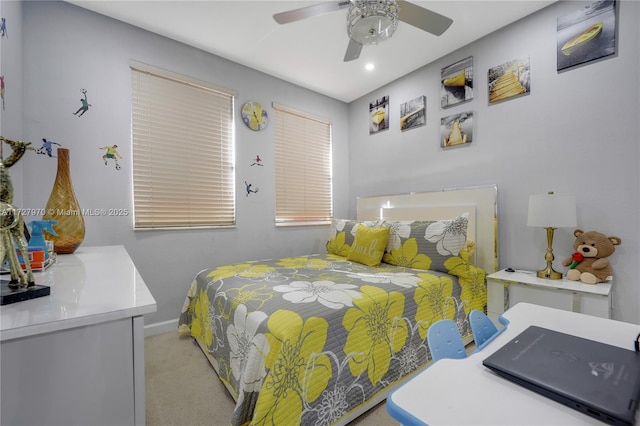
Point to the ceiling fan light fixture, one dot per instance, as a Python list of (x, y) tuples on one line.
[(372, 21)]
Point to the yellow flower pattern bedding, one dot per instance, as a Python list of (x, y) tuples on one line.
[(306, 340)]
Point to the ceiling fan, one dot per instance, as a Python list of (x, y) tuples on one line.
[(372, 21)]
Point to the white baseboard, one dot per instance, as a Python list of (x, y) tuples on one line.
[(161, 327)]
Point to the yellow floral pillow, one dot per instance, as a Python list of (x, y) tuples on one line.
[(368, 245), (425, 244), (342, 234)]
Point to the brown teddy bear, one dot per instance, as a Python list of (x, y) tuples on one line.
[(589, 264)]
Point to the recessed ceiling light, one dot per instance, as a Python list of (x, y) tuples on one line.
[(369, 67)]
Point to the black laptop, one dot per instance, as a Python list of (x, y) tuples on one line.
[(595, 378)]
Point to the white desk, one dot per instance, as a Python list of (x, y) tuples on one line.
[(76, 357), (463, 391)]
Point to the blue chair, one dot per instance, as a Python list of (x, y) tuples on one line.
[(482, 328), (444, 340)]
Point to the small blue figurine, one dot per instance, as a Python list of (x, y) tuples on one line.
[(37, 239)]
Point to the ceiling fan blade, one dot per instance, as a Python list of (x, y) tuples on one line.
[(422, 18), (353, 51), (309, 11)]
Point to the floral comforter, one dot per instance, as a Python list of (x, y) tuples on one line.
[(306, 340)]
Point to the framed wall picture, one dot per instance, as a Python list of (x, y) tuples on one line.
[(413, 113), (587, 34), (509, 80), (456, 129), (456, 83), (379, 115)]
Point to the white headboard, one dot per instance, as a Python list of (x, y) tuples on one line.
[(480, 203)]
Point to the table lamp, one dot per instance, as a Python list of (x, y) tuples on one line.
[(551, 211)]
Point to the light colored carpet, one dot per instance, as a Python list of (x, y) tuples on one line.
[(182, 388)]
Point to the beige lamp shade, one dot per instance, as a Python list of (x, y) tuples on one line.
[(552, 211)]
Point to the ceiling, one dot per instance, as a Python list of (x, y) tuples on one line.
[(310, 53)]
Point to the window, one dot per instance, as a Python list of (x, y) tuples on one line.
[(302, 168), (183, 153)]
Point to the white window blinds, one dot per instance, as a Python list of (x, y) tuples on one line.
[(183, 153), (302, 168)]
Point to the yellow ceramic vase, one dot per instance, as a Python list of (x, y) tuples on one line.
[(63, 207)]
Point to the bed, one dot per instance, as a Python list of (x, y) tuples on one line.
[(319, 339)]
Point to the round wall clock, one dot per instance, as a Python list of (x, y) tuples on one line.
[(254, 116)]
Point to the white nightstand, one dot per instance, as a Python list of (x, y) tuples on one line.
[(505, 289)]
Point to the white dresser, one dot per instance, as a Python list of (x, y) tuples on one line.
[(76, 357), (505, 289)]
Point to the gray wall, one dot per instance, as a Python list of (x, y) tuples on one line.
[(11, 69), (66, 48), (577, 132)]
